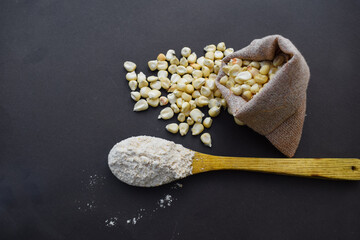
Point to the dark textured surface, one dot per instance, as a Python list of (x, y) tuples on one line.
[(64, 102)]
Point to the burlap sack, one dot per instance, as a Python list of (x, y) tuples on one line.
[(278, 111)]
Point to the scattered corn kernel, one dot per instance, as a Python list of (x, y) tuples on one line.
[(145, 92), (207, 122), (161, 57), (172, 127), (166, 113), (131, 76), (133, 85), (129, 66), (196, 115), (181, 117), (170, 54), (238, 122), (214, 111), (135, 96), (206, 139), (141, 105), (154, 102), (153, 65), (183, 128), (163, 101), (197, 129)]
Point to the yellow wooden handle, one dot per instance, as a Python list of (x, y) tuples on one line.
[(331, 168)]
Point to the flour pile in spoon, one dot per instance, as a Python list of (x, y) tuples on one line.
[(149, 161)]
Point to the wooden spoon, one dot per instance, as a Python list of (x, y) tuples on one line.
[(329, 168)]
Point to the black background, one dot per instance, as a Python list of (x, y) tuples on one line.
[(64, 102)]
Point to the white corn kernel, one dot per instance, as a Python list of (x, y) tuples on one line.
[(175, 108), (207, 122), (170, 54), (172, 88), (183, 128), (228, 51), (264, 69), (172, 127), (133, 85), (218, 55), (163, 101), (246, 62), (195, 66), (154, 94), (135, 96), (192, 58), (152, 78), (250, 82), (185, 107), (166, 113), (238, 122), (261, 78), (196, 115), (184, 62), (165, 83), (185, 52), (210, 48), (197, 73), (153, 65), (141, 77), (190, 121), (179, 102), (161, 57), (223, 103), (205, 91), (206, 139), (186, 97), (201, 101), (172, 69), (162, 65), (245, 87), (223, 80), (174, 78), (162, 74), (278, 60), (145, 92), (154, 102), (210, 83), (181, 70), (189, 88), (236, 90), (143, 83), (177, 93), (189, 69), (254, 71), (214, 103), (206, 71), (234, 71), (141, 105), (230, 83), (216, 69), (172, 98), (209, 55), (181, 117), (187, 78), (198, 83), (200, 61), (208, 63), (156, 85), (247, 95), (214, 111), (129, 66), (217, 93), (131, 76), (192, 104), (221, 46), (254, 88), (255, 64), (197, 129), (174, 61), (244, 76), (196, 94)]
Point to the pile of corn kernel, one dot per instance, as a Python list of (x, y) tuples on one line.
[(189, 83), (247, 78)]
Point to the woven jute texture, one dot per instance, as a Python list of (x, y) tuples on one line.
[(278, 111)]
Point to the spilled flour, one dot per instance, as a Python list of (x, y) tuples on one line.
[(149, 161)]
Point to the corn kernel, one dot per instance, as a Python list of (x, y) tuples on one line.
[(131, 76), (172, 127), (206, 139), (141, 105), (166, 113), (207, 122), (197, 129), (129, 66), (153, 65), (181, 117), (184, 128), (135, 96)]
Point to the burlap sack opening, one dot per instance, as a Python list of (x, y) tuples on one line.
[(278, 111)]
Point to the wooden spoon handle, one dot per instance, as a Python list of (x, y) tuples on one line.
[(331, 168)]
